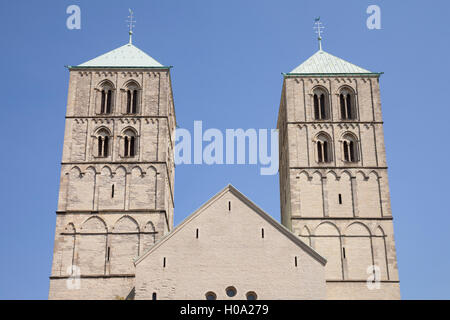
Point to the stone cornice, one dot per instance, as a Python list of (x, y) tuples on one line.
[(95, 276), (128, 212), (342, 218), (334, 122), (342, 168)]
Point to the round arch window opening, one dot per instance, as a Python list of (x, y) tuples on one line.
[(251, 295), (231, 291), (210, 296)]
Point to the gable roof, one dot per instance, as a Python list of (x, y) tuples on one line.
[(324, 63), (126, 56), (250, 204)]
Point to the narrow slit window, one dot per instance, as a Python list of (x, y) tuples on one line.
[(262, 233), (126, 143), (112, 191), (340, 198), (316, 107), (102, 105), (132, 148), (319, 151), (164, 262), (135, 100), (322, 107), (349, 107), (343, 109), (108, 102), (108, 255), (295, 261), (229, 205), (100, 146), (343, 252), (196, 234), (128, 101), (105, 146)]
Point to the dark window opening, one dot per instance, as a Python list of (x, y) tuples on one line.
[(105, 147), (322, 107), (128, 101), (229, 205), (319, 151), (102, 105), (197, 234), (340, 198), (325, 151), (316, 107), (231, 291), (164, 262), (108, 102), (100, 146), (210, 296), (154, 296), (108, 254), (135, 99), (352, 151), (343, 109), (295, 261), (132, 147), (251, 296), (343, 252), (125, 144), (322, 151), (262, 233), (349, 107), (112, 191)]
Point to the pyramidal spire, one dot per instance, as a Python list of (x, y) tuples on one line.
[(318, 26), (131, 25)]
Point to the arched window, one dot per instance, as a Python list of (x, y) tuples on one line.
[(346, 100), (323, 148), (102, 140), (349, 148), (251, 295), (210, 296), (106, 101), (132, 98), (320, 101), (129, 143)]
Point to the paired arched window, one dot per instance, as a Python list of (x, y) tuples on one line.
[(346, 100), (129, 143), (106, 98), (132, 98), (320, 101), (102, 140), (349, 148), (323, 148)]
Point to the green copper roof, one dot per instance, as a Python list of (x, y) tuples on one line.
[(126, 56), (322, 63)]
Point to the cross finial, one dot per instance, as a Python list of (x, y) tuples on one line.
[(131, 25), (318, 26)]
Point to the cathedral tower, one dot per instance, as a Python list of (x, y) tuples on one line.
[(333, 175), (117, 173)]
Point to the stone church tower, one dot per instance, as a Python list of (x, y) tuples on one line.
[(117, 173), (333, 174)]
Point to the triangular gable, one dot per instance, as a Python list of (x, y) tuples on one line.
[(251, 205)]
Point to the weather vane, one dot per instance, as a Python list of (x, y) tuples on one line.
[(318, 26), (131, 25)]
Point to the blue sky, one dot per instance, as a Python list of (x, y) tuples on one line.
[(228, 57)]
